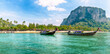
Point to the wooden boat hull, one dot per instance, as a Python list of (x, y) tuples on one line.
[(48, 33), (83, 34)]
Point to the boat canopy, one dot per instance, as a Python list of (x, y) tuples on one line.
[(78, 32)]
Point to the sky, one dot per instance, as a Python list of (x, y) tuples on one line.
[(45, 11)]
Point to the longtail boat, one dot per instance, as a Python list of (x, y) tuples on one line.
[(48, 32), (80, 33)]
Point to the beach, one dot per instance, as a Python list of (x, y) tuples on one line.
[(39, 31)]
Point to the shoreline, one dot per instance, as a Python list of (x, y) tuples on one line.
[(39, 31)]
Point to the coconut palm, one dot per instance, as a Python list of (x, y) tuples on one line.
[(24, 22), (15, 22)]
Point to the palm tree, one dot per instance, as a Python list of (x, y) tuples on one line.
[(0, 22), (7, 20), (23, 22), (1, 19), (15, 22)]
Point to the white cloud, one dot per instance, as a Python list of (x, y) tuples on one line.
[(6, 15), (86, 2), (54, 8), (55, 19), (51, 4), (11, 16), (107, 7), (107, 15)]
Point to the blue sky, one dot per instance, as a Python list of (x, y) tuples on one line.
[(45, 11)]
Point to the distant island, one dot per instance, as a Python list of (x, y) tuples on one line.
[(82, 18), (88, 17)]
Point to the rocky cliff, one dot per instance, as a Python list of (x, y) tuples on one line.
[(85, 13)]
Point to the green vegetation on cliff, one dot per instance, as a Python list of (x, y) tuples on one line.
[(92, 24), (87, 18)]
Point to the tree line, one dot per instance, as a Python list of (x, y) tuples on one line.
[(6, 25)]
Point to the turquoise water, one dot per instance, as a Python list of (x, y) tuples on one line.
[(60, 43)]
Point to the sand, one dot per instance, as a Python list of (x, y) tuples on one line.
[(39, 31)]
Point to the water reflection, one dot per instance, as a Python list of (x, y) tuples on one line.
[(48, 35)]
